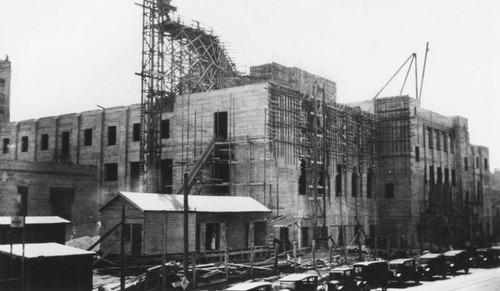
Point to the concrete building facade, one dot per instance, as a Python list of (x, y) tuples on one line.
[(324, 169)]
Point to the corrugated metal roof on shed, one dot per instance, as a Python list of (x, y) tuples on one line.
[(42, 250), (199, 203), (6, 220)]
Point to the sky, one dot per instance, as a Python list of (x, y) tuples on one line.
[(70, 56)]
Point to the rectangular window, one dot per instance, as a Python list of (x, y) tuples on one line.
[(134, 175), (440, 175), (338, 181), (445, 142), (446, 176), (165, 128), (417, 154), (44, 142), (438, 140), (2, 97), (453, 178), (486, 166), (65, 144), (354, 184), (111, 135), (87, 137), (136, 132), (477, 162), (111, 172), (302, 178), (430, 139), (22, 202), (166, 178), (6, 143), (466, 164), (369, 183), (2, 82), (452, 143), (389, 190), (431, 174), (24, 144)]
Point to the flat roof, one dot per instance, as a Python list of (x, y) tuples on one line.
[(6, 220), (35, 250), (297, 277), (248, 285), (199, 203)]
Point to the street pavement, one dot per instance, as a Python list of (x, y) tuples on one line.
[(477, 279)]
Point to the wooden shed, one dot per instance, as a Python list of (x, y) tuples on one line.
[(38, 229), (155, 222), (47, 266)]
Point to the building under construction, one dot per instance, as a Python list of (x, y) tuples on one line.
[(327, 171)]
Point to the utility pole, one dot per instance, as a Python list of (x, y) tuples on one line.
[(186, 226), (122, 252)]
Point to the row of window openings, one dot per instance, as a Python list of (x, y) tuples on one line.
[(466, 161), (87, 138), (356, 182), (444, 136), (440, 177)]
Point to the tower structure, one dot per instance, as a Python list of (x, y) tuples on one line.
[(5, 73), (176, 59)]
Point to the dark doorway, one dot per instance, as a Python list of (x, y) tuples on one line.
[(212, 236), (305, 236), (62, 201), (284, 237), (166, 176), (220, 126), (136, 239)]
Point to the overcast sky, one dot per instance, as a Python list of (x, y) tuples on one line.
[(70, 56)]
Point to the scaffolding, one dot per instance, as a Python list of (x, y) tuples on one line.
[(176, 59)]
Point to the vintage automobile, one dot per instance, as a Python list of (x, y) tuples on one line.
[(299, 282), (342, 278), (373, 274), (405, 270), (432, 265), (252, 286), (457, 260), (487, 257)]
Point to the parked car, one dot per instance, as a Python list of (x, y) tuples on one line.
[(373, 274), (487, 257), (457, 260), (342, 278), (432, 265), (251, 286), (405, 270), (299, 282)]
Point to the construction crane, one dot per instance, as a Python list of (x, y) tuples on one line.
[(413, 60)]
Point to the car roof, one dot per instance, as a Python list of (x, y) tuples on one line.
[(297, 277), (454, 252), (248, 286), (341, 269), (369, 263), (400, 261), (430, 256)]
